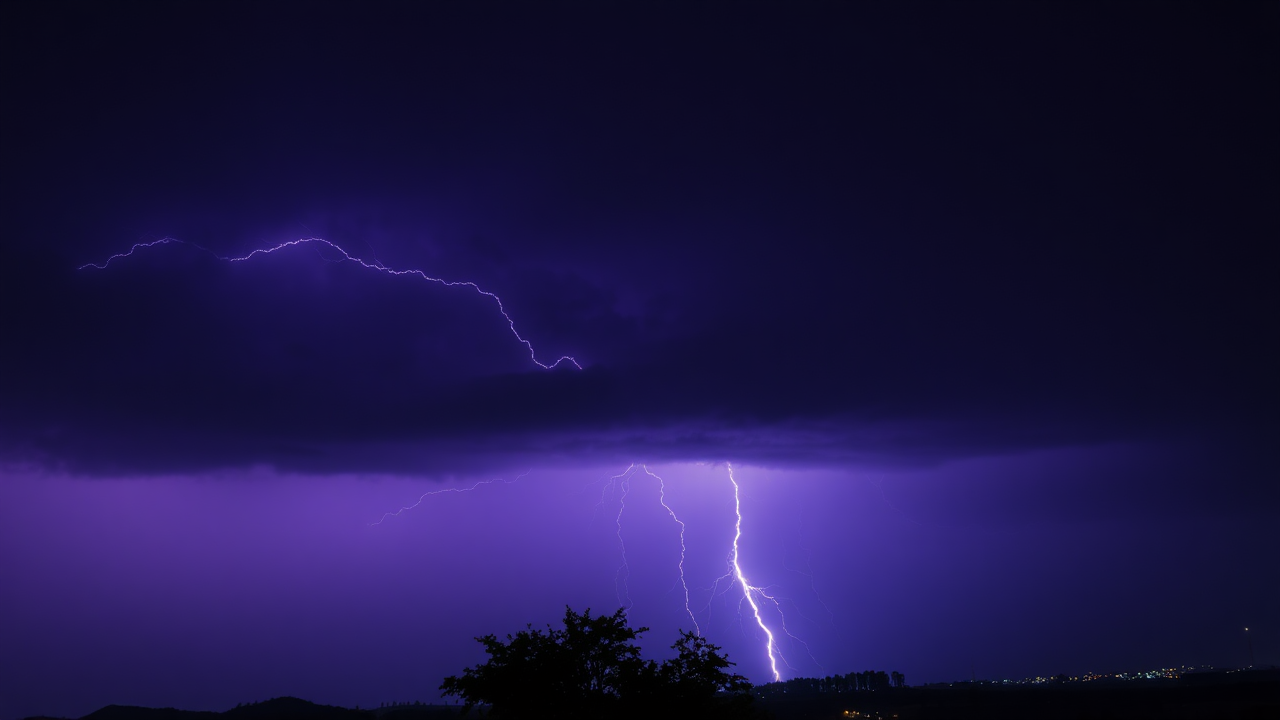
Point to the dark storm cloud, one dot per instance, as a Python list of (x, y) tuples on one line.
[(844, 236), (978, 299)]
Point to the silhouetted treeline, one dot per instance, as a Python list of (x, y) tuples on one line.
[(866, 681), (592, 669)]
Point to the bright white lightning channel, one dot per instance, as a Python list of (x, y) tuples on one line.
[(747, 588), (753, 596)]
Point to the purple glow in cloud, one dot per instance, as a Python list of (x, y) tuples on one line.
[(753, 596), (375, 265)]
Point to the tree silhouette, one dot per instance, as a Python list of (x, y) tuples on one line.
[(699, 676), (592, 669)]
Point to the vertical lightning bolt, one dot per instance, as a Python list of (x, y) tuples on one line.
[(750, 593), (613, 484), (624, 571), (662, 500), (752, 596), (375, 265), (622, 482), (748, 590)]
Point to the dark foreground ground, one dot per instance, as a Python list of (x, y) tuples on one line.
[(1242, 701), (282, 708), (1245, 701)]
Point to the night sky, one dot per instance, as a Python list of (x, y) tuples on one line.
[(980, 303)]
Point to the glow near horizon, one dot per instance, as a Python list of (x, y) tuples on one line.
[(735, 574)]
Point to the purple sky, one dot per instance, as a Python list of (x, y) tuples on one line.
[(201, 591), (977, 300)]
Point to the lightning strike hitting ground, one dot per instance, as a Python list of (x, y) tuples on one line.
[(620, 481), (747, 588), (752, 595), (375, 265)]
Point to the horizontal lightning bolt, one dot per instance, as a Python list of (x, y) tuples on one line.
[(442, 491), (375, 265)]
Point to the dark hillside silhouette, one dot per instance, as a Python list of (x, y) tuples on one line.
[(419, 712), (592, 669), (281, 708), (292, 708), (1209, 695), (129, 712)]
